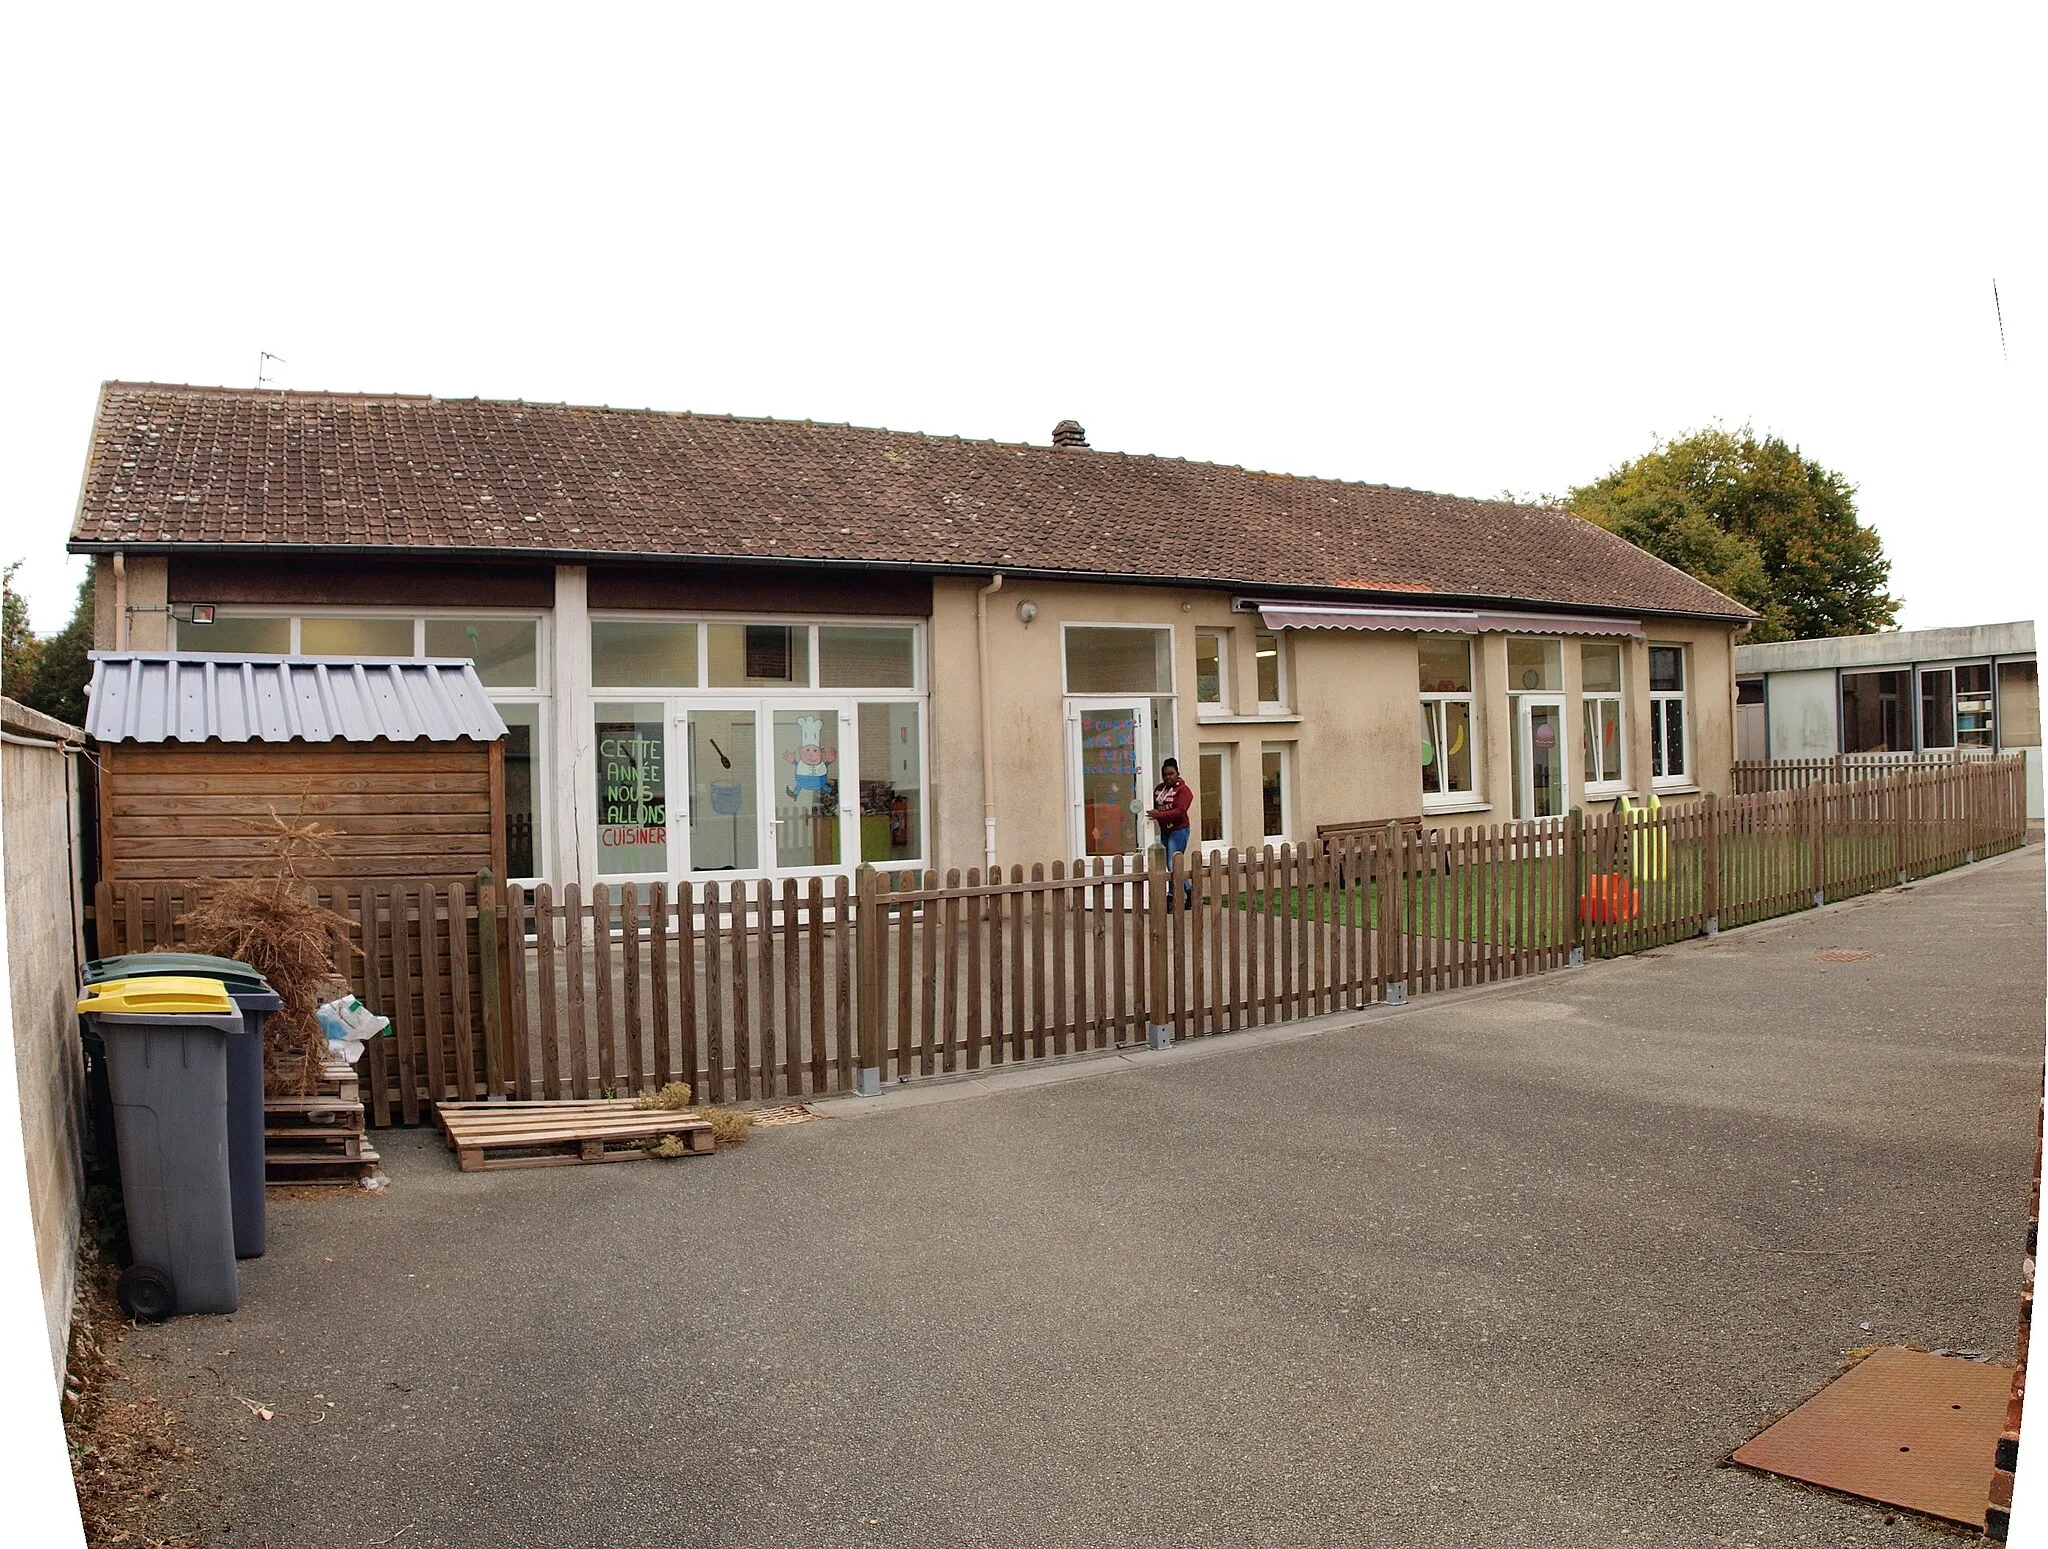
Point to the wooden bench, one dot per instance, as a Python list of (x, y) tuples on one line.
[(1362, 828)]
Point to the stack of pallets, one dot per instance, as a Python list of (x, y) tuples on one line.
[(560, 1133), (318, 1139)]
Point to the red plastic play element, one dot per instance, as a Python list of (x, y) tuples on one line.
[(1610, 899)]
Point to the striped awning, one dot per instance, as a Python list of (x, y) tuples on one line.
[(1453, 621)]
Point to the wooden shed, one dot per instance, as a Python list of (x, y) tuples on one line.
[(401, 759)]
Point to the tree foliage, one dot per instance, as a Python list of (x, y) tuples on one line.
[(1757, 521), (50, 672), (19, 648)]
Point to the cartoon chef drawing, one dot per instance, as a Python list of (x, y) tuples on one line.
[(812, 761)]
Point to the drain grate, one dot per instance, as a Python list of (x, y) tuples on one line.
[(1843, 957), (1903, 1427), (768, 1118)]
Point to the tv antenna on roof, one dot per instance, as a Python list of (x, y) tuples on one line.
[(261, 357)]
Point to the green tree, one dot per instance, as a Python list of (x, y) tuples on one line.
[(1754, 519), (64, 668), (19, 647)]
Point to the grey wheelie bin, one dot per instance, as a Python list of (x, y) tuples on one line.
[(166, 1042), (252, 993)]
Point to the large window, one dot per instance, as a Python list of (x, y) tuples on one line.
[(1107, 659), (1937, 707), (632, 788), (1602, 738), (1445, 680), (1973, 706), (1875, 708), (1212, 795), (245, 634), (891, 783), (2019, 705), (1668, 761)]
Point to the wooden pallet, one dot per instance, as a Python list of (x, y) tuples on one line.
[(282, 1168), (561, 1134), (318, 1138)]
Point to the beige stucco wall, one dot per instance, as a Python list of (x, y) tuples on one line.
[(1352, 721), (148, 583), (38, 801)]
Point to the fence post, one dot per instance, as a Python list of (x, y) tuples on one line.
[(1574, 885), (1158, 1010), (1390, 933), (1710, 884), (488, 900), (1816, 823), (1971, 805), (867, 1079), (1899, 792)]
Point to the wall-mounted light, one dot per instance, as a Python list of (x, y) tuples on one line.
[(1027, 611), (202, 613)]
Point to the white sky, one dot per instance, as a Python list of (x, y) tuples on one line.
[(1472, 252)]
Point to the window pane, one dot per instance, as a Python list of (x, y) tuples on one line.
[(1163, 743), (1937, 709), (522, 789), (1273, 777), (1535, 664), (758, 655), (1208, 669), (891, 784), (1119, 661), (724, 805), (1657, 709), (1600, 741), (1674, 738), (1749, 691), (1445, 664), (244, 636), (503, 649), (859, 657), (642, 655), (1111, 781), (1600, 667), (1973, 706), (355, 637), (1458, 751), (2019, 705), (632, 788), (807, 787), (1873, 713), (1667, 668), (1266, 646), (1209, 795), (1432, 767)]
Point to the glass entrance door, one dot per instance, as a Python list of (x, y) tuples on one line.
[(1541, 785), (1109, 764)]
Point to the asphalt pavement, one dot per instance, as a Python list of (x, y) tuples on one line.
[(1512, 1267)]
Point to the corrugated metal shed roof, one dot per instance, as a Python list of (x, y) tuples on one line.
[(157, 696)]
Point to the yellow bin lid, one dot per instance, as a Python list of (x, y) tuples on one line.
[(157, 997)]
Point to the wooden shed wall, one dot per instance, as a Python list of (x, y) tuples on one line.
[(173, 812)]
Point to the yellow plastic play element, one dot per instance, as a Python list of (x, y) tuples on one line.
[(1649, 844), (156, 998)]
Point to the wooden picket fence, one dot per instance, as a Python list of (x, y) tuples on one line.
[(756, 991), (1755, 777)]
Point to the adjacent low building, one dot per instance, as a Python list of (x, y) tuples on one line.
[(730, 646), (1972, 689)]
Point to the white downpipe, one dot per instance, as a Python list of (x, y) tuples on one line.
[(120, 600), (988, 745)]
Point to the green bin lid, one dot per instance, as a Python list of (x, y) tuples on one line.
[(177, 965)]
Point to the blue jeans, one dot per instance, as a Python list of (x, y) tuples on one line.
[(1176, 842)]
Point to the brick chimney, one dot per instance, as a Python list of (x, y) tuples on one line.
[(1069, 433)]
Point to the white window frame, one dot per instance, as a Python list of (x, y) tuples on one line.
[(809, 622), (1282, 678), (1286, 752), (1226, 756), (1172, 666), (1616, 783), (1219, 707), (1659, 698), (1433, 701)]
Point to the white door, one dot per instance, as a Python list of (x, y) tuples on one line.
[(770, 787), (1109, 775), (1542, 781)]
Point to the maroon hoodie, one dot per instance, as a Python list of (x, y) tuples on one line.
[(1170, 804)]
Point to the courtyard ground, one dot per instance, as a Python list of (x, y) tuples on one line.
[(1518, 1266)]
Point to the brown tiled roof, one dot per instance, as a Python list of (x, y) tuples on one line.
[(173, 466)]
